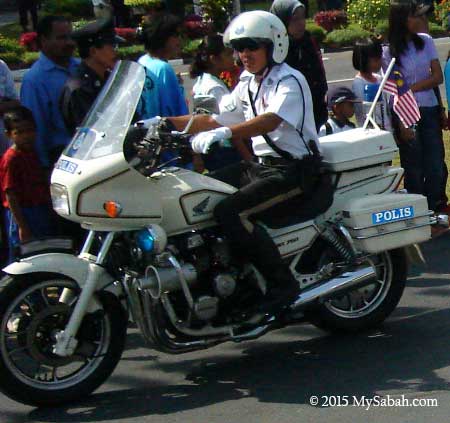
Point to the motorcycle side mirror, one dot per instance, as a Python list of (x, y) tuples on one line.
[(135, 149)]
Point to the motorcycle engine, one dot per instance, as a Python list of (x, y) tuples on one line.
[(205, 260), (212, 259)]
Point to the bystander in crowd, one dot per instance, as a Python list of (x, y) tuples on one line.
[(304, 54), (211, 60), (421, 148), (43, 84), (24, 184), (341, 101), (96, 43), (28, 7), (367, 61)]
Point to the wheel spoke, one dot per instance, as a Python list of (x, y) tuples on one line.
[(44, 296), (54, 375)]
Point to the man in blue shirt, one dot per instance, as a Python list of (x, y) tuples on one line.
[(43, 83)]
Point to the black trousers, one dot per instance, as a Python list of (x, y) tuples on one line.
[(26, 6), (261, 189)]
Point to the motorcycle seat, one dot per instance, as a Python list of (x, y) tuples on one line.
[(308, 205)]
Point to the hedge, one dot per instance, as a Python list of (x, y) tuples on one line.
[(347, 36)]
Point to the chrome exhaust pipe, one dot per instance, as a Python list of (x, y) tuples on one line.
[(160, 280), (334, 287)]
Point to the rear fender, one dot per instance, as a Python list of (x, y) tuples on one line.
[(71, 266)]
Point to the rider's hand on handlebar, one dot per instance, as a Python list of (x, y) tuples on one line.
[(202, 141)]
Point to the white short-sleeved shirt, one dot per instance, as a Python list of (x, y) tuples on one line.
[(284, 92), (382, 111), (208, 85), (336, 127)]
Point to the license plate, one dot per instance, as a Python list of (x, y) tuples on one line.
[(387, 216), (66, 166)]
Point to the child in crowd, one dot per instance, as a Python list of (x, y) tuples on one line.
[(24, 184), (211, 60), (341, 102), (367, 61)]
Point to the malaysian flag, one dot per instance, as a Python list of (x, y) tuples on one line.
[(405, 104)]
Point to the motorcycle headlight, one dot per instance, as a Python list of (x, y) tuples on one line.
[(60, 199)]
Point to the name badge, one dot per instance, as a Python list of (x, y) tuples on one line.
[(386, 216)]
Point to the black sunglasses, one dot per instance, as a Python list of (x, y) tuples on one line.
[(245, 43)]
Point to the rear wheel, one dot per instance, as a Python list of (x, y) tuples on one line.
[(32, 312), (368, 306)]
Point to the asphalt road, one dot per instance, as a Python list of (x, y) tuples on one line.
[(274, 378)]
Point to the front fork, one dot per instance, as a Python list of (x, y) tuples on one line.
[(65, 340)]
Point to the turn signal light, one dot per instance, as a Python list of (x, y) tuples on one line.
[(112, 208)]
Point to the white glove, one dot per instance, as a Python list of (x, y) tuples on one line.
[(201, 142), (146, 123)]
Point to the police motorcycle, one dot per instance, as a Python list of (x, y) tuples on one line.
[(155, 255)]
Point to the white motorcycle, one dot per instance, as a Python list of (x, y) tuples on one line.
[(155, 255)]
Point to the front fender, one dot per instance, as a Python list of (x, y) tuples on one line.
[(73, 267)]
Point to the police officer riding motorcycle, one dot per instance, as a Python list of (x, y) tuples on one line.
[(292, 244), (272, 105)]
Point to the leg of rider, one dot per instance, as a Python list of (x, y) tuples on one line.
[(270, 187), (234, 175)]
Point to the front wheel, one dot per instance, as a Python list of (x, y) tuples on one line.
[(368, 306), (33, 309)]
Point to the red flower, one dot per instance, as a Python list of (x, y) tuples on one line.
[(231, 77), (331, 19), (29, 41), (129, 34)]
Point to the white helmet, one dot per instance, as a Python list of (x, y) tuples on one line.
[(259, 26)]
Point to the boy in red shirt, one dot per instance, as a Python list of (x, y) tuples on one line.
[(24, 185)]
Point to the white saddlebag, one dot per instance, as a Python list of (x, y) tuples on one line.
[(357, 148), (387, 221)]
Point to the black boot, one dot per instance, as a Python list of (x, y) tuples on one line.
[(283, 288)]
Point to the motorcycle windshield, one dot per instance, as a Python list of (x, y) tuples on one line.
[(104, 129)]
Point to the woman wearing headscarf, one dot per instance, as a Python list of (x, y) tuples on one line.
[(304, 54)]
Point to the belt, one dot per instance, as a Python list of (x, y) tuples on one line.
[(273, 161)]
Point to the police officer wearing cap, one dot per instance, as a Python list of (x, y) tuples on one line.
[(96, 43)]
